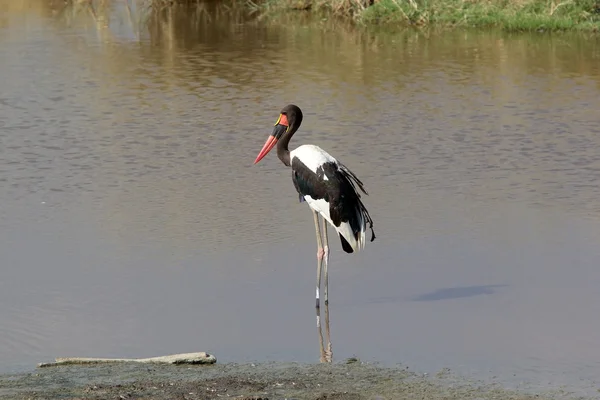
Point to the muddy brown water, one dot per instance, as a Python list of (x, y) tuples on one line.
[(133, 223)]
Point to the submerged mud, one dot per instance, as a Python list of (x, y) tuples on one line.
[(347, 381)]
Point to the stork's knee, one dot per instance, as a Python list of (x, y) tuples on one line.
[(320, 253), (326, 251)]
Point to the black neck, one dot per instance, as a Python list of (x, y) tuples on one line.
[(282, 146)]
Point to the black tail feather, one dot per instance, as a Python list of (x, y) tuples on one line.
[(345, 245), (353, 179)]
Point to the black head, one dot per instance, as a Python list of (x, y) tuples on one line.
[(290, 118), (293, 117)]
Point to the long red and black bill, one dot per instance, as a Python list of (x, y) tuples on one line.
[(269, 144), (280, 127)]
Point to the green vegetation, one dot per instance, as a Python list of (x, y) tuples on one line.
[(510, 15)]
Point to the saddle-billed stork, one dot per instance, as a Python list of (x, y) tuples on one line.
[(328, 187)]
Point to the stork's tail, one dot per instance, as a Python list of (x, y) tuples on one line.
[(363, 213), (345, 245)]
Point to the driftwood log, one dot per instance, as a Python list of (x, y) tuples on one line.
[(187, 358)]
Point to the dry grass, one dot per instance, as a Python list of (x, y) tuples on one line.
[(351, 8)]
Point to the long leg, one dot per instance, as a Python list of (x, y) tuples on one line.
[(320, 253), (322, 352), (326, 262), (327, 354), (329, 350)]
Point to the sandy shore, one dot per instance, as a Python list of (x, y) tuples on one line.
[(351, 381)]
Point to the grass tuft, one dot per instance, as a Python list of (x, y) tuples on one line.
[(511, 15)]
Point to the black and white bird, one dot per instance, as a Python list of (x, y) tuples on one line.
[(328, 187)]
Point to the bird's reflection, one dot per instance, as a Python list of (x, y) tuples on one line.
[(326, 352)]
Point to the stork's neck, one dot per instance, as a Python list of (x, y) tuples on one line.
[(283, 152)]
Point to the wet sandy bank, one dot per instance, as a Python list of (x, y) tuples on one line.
[(352, 381)]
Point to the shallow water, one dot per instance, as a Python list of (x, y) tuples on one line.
[(133, 223)]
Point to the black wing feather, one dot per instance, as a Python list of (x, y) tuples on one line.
[(353, 179)]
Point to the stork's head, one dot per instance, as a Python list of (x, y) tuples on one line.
[(290, 118)]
